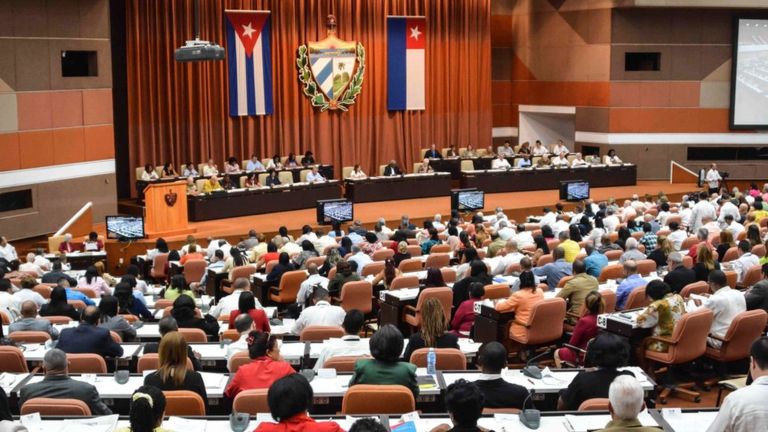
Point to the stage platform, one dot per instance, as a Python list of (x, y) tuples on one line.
[(517, 205)]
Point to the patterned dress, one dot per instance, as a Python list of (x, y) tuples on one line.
[(662, 315)]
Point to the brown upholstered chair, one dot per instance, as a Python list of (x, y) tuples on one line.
[(44, 290), (564, 280), (496, 291), (377, 399), (130, 318), (404, 282), (318, 261), (230, 335), (193, 335), (12, 360), (320, 333), (238, 359), (613, 255), (343, 363), (699, 288), (414, 250), (594, 404), (611, 271), (357, 295), (752, 276), (410, 265), (289, 286), (449, 274), (372, 268), (55, 407), (31, 337), (688, 243), (382, 254), (194, 270), (163, 303), (252, 401), (4, 318), (539, 329), (687, 343), (745, 328), (637, 299), (440, 248), (437, 260), (646, 267), (238, 272), (544, 260), (609, 298), (732, 277), (116, 337), (158, 271), (688, 262), (412, 315), (86, 363), (58, 319), (184, 403), (447, 358), (731, 254)]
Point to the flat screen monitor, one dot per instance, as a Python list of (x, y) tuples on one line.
[(574, 190), (467, 199), (335, 210), (749, 77), (125, 227)]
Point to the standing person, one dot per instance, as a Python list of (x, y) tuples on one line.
[(433, 332), (713, 179)]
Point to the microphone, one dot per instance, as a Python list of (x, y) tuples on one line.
[(532, 370), (530, 418)]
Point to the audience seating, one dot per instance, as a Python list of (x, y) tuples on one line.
[(238, 359), (12, 360), (440, 248), (4, 318), (130, 318), (58, 319), (698, 288), (609, 298), (230, 335), (611, 271), (158, 271), (745, 328), (194, 270), (378, 399), (594, 404), (404, 282), (688, 243), (193, 335), (752, 276), (382, 254), (539, 330), (289, 287), (163, 303), (414, 250), (687, 343), (320, 333), (44, 290), (253, 401), (412, 315), (238, 272), (732, 277), (55, 407), (29, 336), (564, 280), (496, 291), (513, 268), (437, 260), (613, 255), (449, 274), (731, 254), (183, 403), (116, 337), (637, 299), (759, 249), (410, 265), (343, 363), (318, 261), (87, 363), (447, 358), (357, 295), (688, 262), (544, 260), (372, 269), (646, 267), (151, 361), (77, 304)]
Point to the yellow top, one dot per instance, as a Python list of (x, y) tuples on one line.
[(209, 187), (571, 249)]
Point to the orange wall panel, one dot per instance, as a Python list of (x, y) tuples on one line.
[(9, 149), (501, 31), (669, 120), (66, 109), (99, 143), (34, 110), (97, 106), (36, 149), (501, 92), (68, 145)]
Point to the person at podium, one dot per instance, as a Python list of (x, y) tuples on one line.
[(93, 244), (392, 169), (149, 173), (211, 185)]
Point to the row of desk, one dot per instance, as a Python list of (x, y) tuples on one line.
[(688, 420), (519, 180)]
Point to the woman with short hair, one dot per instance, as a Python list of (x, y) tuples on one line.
[(385, 368), (290, 399)]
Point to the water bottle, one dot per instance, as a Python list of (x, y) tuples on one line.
[(431, 361)]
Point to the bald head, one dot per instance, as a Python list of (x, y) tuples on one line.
[(29, 309), (312, 268), (91, 315), (630, 267)]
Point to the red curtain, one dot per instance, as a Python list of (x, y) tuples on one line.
[(179, 112)]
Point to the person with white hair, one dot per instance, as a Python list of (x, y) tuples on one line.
[(7, 250), (504, 231), (66, 246), (30, 266), (625, 396), (632, 253), (437, 222)]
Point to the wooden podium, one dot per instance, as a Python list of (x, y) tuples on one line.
[(165, 210)]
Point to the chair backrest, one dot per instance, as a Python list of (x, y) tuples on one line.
[(86, 363), (447, 358), (184, 403), (320, 333), (77, 304), (343, 363), (759, 249), (194, 270), (745, 328), (410, 265), (688, 262), (29, 336), (609, 298), (544, 260), (637, 298), (698, 288), (151, 361), (404, 282), (286, 177), (613, 255), (731, 254), (253, 401), (690, 335), (611, 271), (688, 243), (346, 171), (116, 337), (193, 335), (55, 407), (372, 268), (158, 264), (43, 290), (467, 165), (243, 271), (440, 248), (12, 360), (130, 318), (5, 318), (58, 319), (382, 254), (563, 280), (731, 277), (543, 315), (594, 404), (318, 261), (443, 295), (496, 291), (437, 260), (303, 174), (414, 249), (357, 295), (378, 399), (290, 283), (646, 267), (752, 276), (238, 359), (449, 274)]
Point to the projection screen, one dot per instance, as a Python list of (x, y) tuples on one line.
[(749, 80)]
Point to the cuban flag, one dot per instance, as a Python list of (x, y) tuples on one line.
[(249, 62), (406, 40)]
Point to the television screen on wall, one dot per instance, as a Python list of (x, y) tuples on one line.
[(749, 78)]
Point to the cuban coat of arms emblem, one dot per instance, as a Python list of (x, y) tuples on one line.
[(331, 70)]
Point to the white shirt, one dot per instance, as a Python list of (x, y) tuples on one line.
[(728, 209), (32, 268), (8, 304), (610, 223), (701, 210), (8, 252), (237, 346), (25, 294), (348, 345), (735, 228), (229, 303), (315, 177), (523, 239), (725, 304), (500, 263), (209, 170), (713, 178), (148, 176), (677, 238), (311, 236), (254, 166), (506, 233), (548, 219), (578, 162), (559, 161), (43, 262), (744, 410), (539, 150), (685, 217), (500, 164), (357, 175), (743, 263), (560, 148), (362, 260), (611, 160), (559, 227), (305, 290), (506, 151), (321, 314)]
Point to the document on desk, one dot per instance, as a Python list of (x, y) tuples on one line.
[(585, 423), (214, 380), (186, 425), (690, 421), (96, 424)]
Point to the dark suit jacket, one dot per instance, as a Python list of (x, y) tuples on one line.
[(501, 394), (53, 277), (86, 338), (377, 372), (151, 348), (272, 181), (64, 387), (679, 278), (433, 154), (390, 171), (757, 298)]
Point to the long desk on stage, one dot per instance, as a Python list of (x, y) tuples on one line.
[(518, 180), (453, 165), (406, 186), (243, 202)]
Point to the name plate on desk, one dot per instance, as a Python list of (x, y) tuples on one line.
[(620, 323), (492, 313)]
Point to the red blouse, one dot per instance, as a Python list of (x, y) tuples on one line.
[(258, 374), (299, 423), (259, 319), (464, 317), (586, 329)]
